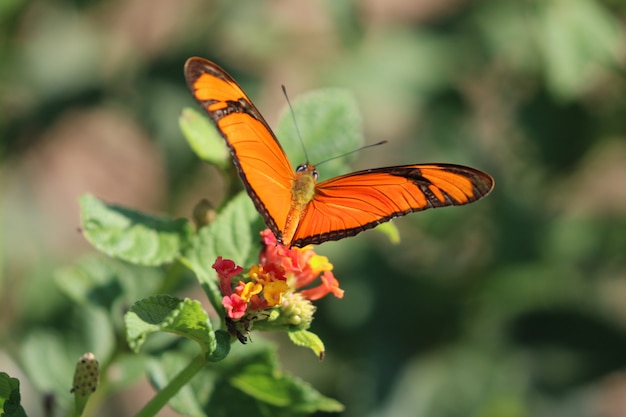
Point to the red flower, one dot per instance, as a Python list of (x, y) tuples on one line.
[(226, 269), (278, 290)]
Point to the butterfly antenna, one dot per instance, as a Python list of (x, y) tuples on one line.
[(293, 116), (371, 145)]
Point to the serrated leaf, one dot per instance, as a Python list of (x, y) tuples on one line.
[(235, 232), (309, 340), (330, 123), (203, 137), (163, 313), (131, 235), (10, 397), (232, 235)]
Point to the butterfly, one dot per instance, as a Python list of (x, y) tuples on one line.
[(298, 209)]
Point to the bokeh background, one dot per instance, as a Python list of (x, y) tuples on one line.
[(513, 306)]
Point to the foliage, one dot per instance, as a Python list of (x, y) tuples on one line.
[(509, 307)]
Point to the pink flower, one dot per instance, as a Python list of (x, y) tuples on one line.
[(278, 291), (302, 267), (235, 306)]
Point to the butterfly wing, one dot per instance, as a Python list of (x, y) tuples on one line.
[(349, 204), (340, 207), (260, 160)]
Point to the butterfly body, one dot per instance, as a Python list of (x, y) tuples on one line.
[(298, 209), (302, 193)]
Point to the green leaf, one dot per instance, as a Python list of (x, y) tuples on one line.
[(49, 355), (250, 383), (106, 282), (90, 280), (222, 348), (164, 313), (330, 123), (189, 398), (232, 235), (130, 235), (203, 137), (129, 368), (10, 398), (260, 379), (309, 340)]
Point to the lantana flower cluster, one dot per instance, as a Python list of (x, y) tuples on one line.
[(276, 293)]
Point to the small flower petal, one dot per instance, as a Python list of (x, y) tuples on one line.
[(250, 288), (329, 285), (235, 306), (319, 264), (226, 267), (273, 292)]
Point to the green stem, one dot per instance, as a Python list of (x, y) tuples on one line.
[(163, 396), (213, 294)]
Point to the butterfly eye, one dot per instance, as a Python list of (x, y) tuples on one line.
[(301, 168)]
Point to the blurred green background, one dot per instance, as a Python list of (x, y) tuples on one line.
[(513, 306)]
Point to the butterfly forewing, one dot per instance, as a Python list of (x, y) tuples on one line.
[(261, 162)]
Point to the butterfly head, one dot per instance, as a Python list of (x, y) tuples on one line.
[(307, 169)]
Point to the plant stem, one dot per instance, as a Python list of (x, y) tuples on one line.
[(163, 396)]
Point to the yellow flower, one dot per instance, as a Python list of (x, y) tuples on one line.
[(251, 288), (273, 292)]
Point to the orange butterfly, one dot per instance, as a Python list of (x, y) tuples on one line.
[(297, 208)]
